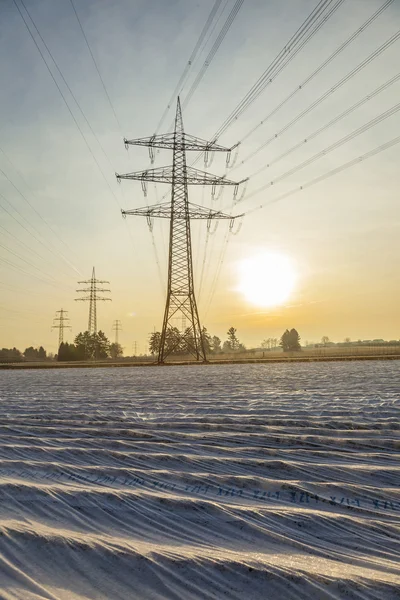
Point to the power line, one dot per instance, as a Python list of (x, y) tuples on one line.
[(25, 291), (218, 270), (26, 261), (39, 215), (314, 181), (347, 138), (308, 29), (329, 174), (325, 95), (22, 225), (203, 263), (65, 100), (96, 67), (321, 67), (227, 25), (67, 85), (36, 211), (18, 268), (333, 121), (190, 62), (31, 250), (77, 103)]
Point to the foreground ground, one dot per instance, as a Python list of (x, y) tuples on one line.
[(237, 481)]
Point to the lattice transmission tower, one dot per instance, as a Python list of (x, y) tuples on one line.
[(181, 299), (93, 298), (117, 327), (62, 323)]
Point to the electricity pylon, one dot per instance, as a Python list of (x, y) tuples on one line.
[(180, 293), (117, 327), (62, 320), (93, 298)]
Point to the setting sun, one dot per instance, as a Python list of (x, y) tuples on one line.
[(266, 279)]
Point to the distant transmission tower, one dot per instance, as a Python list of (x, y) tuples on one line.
[(61, 321), (117, 327), (93, 298), (180, 293)]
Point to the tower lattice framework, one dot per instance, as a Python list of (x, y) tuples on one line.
[(62, 323), (117, 327), (93, 298), (181, 299)]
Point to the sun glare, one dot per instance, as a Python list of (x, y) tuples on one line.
[(267, 279)]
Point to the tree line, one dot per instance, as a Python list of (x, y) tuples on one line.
[(15, 355), (96, 346)]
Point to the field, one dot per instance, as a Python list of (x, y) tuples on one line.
[(265, 481)]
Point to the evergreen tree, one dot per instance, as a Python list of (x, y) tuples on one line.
[(68, 352), (92, 346), (173, 340), (216, 344), (207, 340), (101, 344), (154, 342), (31, 353), (116, 350), (290, 341), (232, 344)]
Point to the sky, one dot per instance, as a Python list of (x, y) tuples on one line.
[(61, 143)]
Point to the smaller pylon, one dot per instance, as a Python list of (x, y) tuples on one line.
[(92, 298), (62, 320), (117, 327)]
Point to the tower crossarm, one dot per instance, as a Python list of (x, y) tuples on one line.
[(163, 211), (190, 176), (167, 141), (90, 281), (90, 290), (86, 298), (154, 141)]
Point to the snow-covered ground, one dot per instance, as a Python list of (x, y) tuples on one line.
[(239, 481)]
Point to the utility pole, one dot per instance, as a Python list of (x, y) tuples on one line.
[(61, 320), (134, 347), (93, 298), (117, 327), (180, 292)]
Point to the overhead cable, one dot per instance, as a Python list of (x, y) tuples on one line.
[(329, 174), (214, 49), (96, 67), (319, 16), (190, 62), (321, 67), (333, 121), (325, 95)]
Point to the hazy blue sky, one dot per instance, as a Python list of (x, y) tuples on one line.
[(341, 236)]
